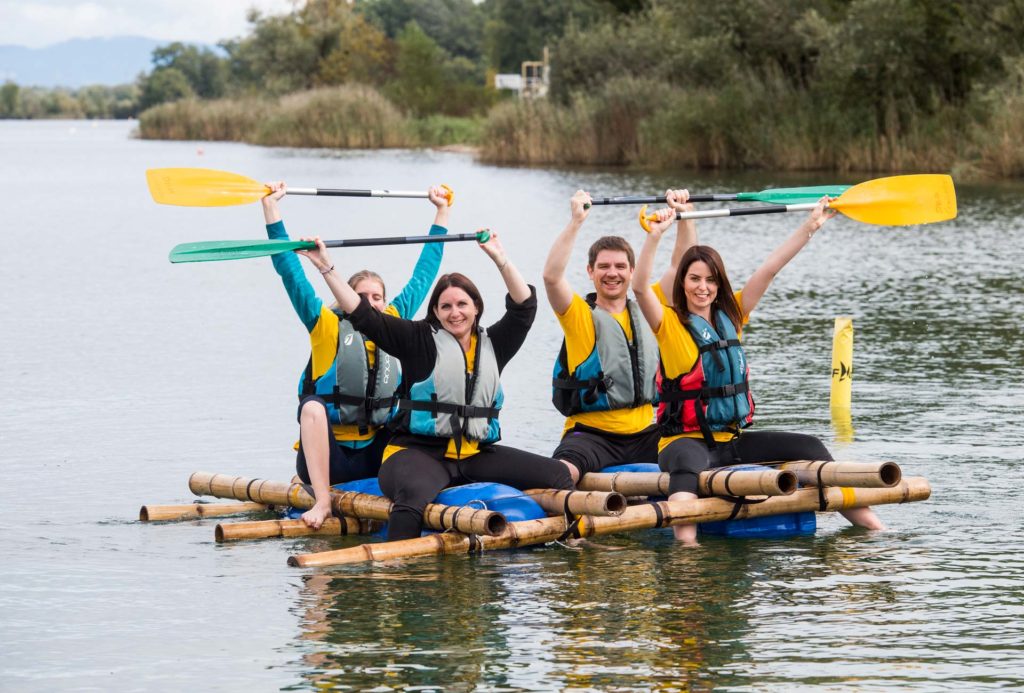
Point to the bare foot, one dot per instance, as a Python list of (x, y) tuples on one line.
[(315, 516), (863, 517)]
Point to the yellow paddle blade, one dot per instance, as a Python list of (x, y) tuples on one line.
[(900, 200), (202, 187)]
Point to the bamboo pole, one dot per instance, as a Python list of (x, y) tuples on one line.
[(578, 502), (835, 473), (746, 482), (644, 516), (190, 511), (263, 529), (344, 503), (723, 481), (626, 483)]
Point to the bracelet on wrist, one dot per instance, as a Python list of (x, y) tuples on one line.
[(327, 271), (503, 265)]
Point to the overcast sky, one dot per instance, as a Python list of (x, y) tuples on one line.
[(36, 23)]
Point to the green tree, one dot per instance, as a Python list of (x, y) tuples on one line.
[(456, 25), (9, 100), (205, 71), (518, 30), (419, 83), (168, 84)]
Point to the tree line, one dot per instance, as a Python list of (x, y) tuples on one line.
[(842, 84)]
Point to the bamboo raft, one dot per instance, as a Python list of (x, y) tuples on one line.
[(598, 507)]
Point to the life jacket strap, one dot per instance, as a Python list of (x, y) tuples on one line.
[(669, 395), (466, 411), (587, 389)]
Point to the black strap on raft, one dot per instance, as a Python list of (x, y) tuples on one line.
[(572, 524), (822, 500), (737, 501)]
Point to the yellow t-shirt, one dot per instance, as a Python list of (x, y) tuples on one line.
[(469, 447), (679, 354), (578, 325)]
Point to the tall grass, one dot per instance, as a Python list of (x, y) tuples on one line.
[(232, 120), (345, 117), (756, 124)]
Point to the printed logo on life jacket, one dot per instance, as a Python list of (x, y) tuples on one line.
[(705, 334), (842, 373), (387, 371), (348, 338)]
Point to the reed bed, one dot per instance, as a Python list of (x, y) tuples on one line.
[(345, 117)]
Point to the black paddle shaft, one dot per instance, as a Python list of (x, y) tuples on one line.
[(650, 200), (400, 240)]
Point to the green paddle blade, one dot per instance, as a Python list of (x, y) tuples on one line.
[(207, 251), (792, 196)]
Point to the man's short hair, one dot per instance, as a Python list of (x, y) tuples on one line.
[(611, 243)]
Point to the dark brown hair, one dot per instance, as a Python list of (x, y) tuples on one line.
[(611, 243), (724, 301), (459, 281)]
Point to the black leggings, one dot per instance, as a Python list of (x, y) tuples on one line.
[(414, 476), (684, 459)]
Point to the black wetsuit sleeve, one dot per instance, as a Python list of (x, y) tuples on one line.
[(409, 341), (508, 334)]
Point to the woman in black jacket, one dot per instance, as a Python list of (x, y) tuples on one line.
[(446, 419)]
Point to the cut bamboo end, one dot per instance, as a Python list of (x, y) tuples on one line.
[(191, 511), (264, 529), (579, 502), (840, 473), (726, 481)]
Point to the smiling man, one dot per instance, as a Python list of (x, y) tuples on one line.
[(604, 376)]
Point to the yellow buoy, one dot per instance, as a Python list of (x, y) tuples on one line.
[(842, 362), (842, 378)]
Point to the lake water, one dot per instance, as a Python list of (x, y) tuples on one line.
[(120, 374)]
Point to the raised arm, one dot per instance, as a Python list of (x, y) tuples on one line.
[(645, 296), (780, 257), (517, 287), (555, 284), (415, 291), (346, 296), (686, 236), (300, 292)]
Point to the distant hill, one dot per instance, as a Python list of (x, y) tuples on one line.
[(78, 62)]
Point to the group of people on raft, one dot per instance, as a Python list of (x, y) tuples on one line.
[(417, 403)]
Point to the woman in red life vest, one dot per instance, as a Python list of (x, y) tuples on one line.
[(705, 400)]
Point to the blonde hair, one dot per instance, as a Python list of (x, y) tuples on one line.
[(367, 274), (360, 276)]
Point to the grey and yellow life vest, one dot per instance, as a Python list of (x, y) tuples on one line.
[(355, 393), (617, 374), (451, 402)]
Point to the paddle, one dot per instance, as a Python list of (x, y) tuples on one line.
[(204, 187), (892, 201), (774, 195), (208, 251)]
